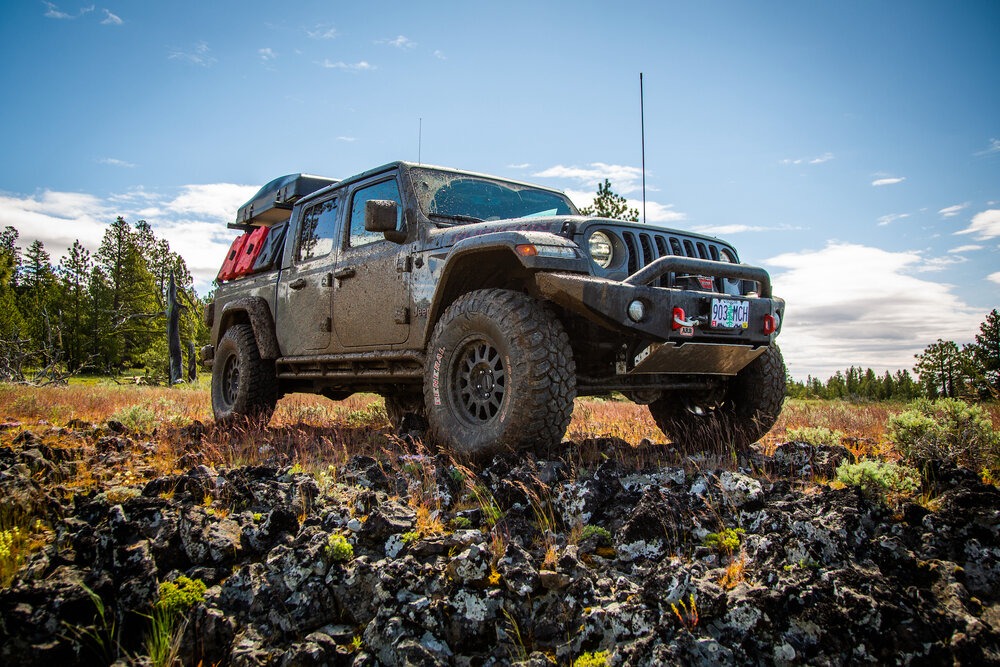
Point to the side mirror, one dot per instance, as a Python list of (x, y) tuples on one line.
[(382, 215)]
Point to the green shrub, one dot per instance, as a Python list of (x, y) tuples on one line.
[(879, 480), (726, 541), (137, 418), (177, 597), (815, 435), (602, 534), (338, 549), (598, 659), (947, 430)]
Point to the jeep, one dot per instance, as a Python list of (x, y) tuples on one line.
[(481, 307)]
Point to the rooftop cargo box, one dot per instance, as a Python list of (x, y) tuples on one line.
[(273, 202)]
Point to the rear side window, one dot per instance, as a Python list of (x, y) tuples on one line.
[(384, 190), (318, 231)]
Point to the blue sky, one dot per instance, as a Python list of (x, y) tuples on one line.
[(851, 148)]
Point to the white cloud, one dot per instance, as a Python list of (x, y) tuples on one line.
[(323, 31), (192, 219), (952, 211), (994, 147), (725, 230), (890, 180), (53, 12), (267, 54), (985, 225), (346, 139), (360, 66), (839, 316), (966, 248), (891, 218), (820, 159), (199, 54), (439, 54), (994, 277), (400, 42), (655, 212), (523, 165), (624, 179), (111, 19), (115, 162)]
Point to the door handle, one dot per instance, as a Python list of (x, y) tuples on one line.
[(298, 283), (346, 272)]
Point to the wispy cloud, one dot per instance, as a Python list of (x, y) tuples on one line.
[(115, 162), (985, 225), (53, 12), (994, 277), (624, 179), (725, 230), (820, 159), (891, 218), (994, 147), (875, 318), (400, 42), (323, 31), (199, 54), (439, 54), (889, 180), (952, 211), (347, 139), (111, 19), (360, 66), (966, 248), (523, 165), (267, 54)]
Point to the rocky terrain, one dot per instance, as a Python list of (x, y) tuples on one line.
[(623, 555)]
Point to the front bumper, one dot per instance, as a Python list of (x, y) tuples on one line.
[(694, 348)]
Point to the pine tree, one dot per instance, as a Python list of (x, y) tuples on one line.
[(75, 270), (609, 204), (942, 369), (986, 355)]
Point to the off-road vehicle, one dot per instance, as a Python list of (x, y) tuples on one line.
[(482, 307)]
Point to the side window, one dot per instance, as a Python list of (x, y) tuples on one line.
[(318, 230), (384, 190)]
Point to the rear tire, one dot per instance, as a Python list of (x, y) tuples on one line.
[(500, 375), (243, 385), (731, 420)]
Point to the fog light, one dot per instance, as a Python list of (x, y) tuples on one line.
[(636, 311)]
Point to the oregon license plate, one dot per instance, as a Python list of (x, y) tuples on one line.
[(730, 314)]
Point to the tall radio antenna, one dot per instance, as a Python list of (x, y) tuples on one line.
[(642, 130), (420, 137)]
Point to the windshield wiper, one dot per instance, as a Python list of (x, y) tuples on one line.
[(455, 216)]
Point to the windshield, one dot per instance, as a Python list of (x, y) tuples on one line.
[(450, 197)]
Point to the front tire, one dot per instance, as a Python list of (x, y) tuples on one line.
[(243, 385), (732, 420), (500, 375)]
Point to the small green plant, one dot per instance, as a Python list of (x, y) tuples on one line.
[(815, 435), (881, 481), (487, 504), (725, 542), (179, 596), (355, 644), (597, 659), (947, 430), (169, 618), (410, 537), (137, 418), (460, 523), (338, 549), (103, 636), (601, 534), (373, 415), (258, 517)]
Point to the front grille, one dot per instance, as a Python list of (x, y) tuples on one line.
[(643, 248)]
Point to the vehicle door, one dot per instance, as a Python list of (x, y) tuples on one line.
[(371, 306), (304, 321)]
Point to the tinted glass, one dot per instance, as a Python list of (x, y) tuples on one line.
[(384, 190), (318, 229)]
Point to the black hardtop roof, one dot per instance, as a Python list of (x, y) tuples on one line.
[(274, 198)]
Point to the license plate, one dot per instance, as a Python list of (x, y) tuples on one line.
[(730, 314)]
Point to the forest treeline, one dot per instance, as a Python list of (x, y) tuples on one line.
[(105, 313), (101, 312)]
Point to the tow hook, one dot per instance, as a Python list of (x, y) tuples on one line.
[(680, 320)]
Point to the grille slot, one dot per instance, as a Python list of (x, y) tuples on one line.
[(643, 248)]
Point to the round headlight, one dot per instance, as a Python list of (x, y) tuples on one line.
[(601, 249), (726, 255)]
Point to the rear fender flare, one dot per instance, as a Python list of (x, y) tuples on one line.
[(259, 313)]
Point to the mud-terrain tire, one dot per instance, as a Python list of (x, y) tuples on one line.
[(500, 375), (744, 412), (243, 386)]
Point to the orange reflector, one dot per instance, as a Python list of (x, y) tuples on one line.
[(526, 250)]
